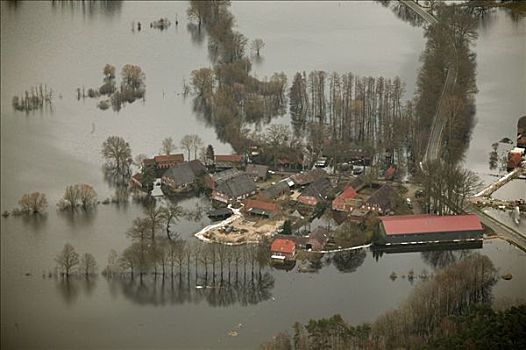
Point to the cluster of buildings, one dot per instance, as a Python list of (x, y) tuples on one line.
[(229, 180)]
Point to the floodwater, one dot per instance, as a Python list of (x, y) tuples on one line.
[(66, 46)]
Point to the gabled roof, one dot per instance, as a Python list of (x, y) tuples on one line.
[(276, 190), (318, 189), (257, 170), (283, 246), (148, 161), (357, 183), (320, 235), (225, 175), (308, 177), (411, 224), (383, 197), (185, 173), (169, 158), (237, 186), (348, 193), (228, 158), (269, 207)]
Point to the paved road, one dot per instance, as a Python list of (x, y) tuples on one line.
[(517, 238), (426, 16)]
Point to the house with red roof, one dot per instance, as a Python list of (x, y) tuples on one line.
[(261, 208), (415, 229), (346, 201), (282, 249), (168, 161), (227, 161)]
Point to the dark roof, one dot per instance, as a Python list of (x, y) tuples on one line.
[(308, 177), (357, 183), (237, 186), (412, 224), (225, 175), (276, 190), (318, 189), (257, 170), (383, 197), (185, 173), (319, 235), (220, 212)]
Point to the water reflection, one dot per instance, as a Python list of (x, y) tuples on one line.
[(71, 288), (35, 222), (240, 289), (89, 8), (77, 217), (348, 261)]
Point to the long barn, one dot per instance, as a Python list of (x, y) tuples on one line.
[(414, 229)]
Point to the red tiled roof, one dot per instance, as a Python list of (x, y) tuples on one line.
[(267, 206), (411, 224), (169, 158), (228, 158), (282, 246), (348, 193), (389, 173)]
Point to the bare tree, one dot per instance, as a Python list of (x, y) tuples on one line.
[(33, 203), (168, 146), (197, 143), (187, 143), (87, 196), (257, 45), (117, 153), (169, 213), (139, 159), (88, 265), (67, 260)]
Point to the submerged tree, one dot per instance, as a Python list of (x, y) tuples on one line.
[(257, 45), (88, 265), (67, 260), (33, 203), (117, 153)]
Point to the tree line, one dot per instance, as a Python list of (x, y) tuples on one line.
[(348, 109), (227, 95), (454, 292)]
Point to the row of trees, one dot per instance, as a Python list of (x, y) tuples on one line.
[(189, 143), (79, 195), (226, 94), (35, 98), (447, 49), (425, 317), (69, 262), (350, 109)]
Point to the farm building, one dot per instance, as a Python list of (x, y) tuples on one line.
[(227, 161), (235, 188), (182, 177), (257, 172), (282, 249), (167, 161), (317, 239), (261, 208), (346, 200), (276, 190), (303, 179), (316, 192), (412, 229), (382, 201)]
